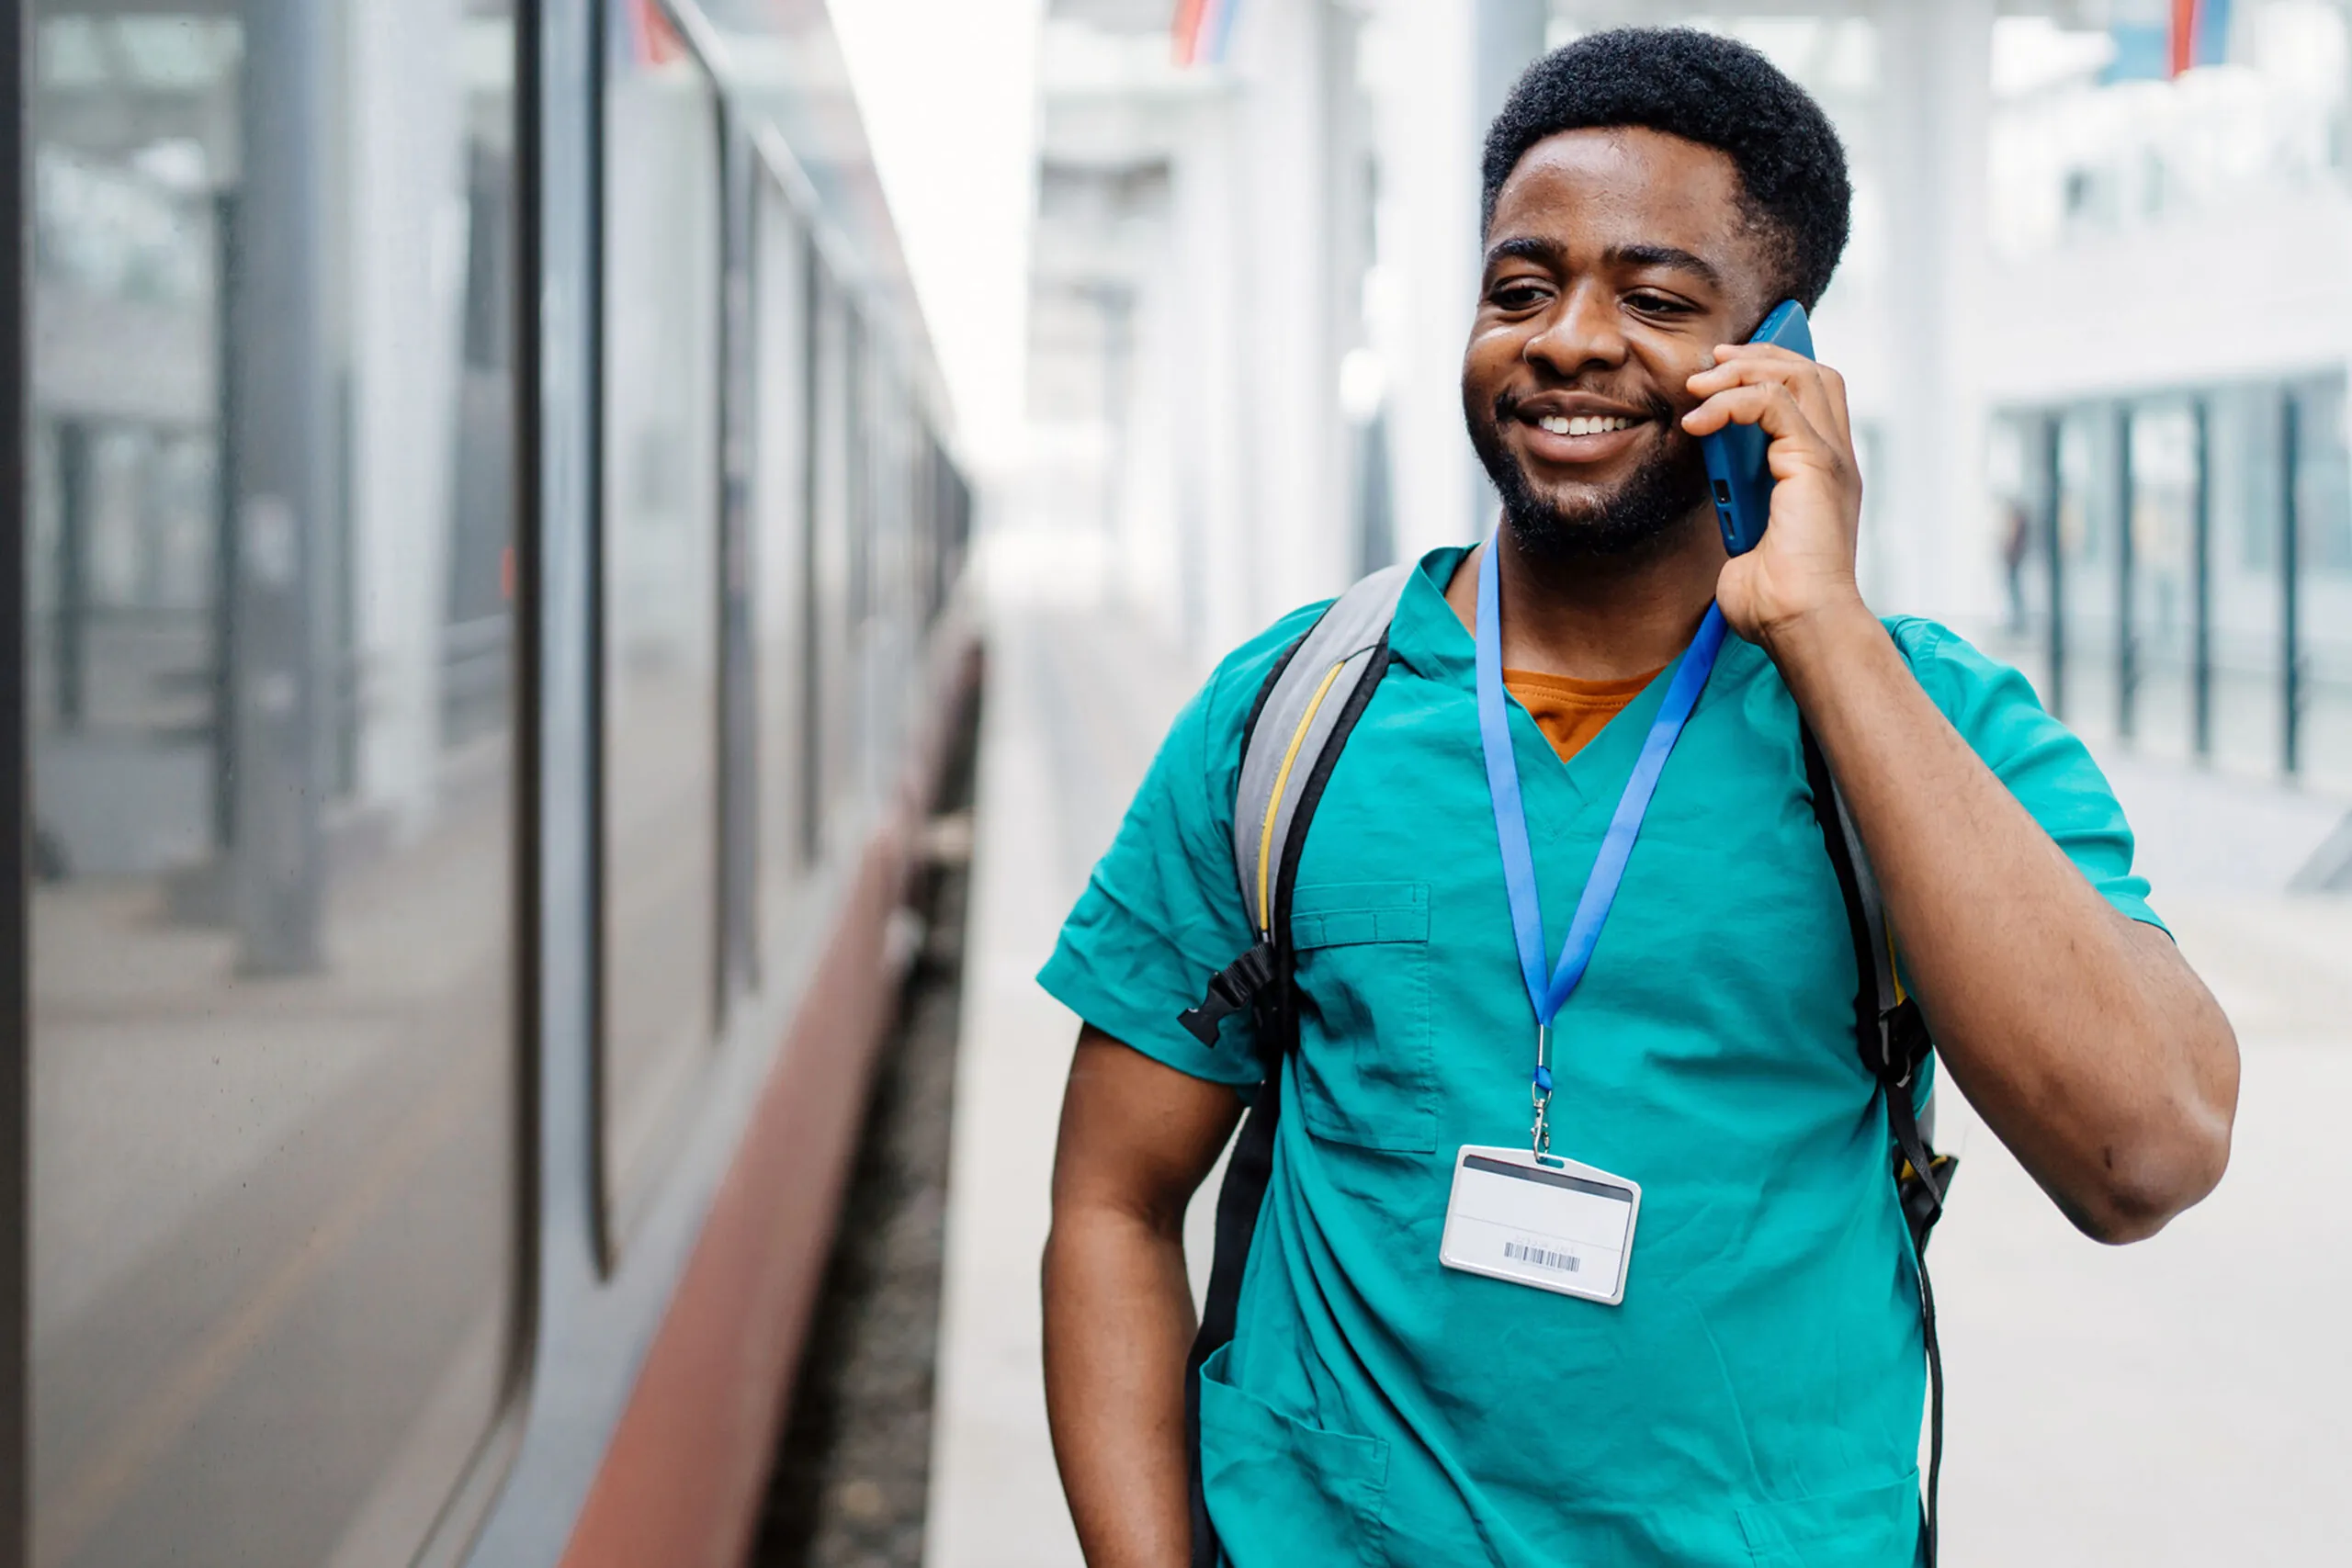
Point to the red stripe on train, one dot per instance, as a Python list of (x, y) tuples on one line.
[(682, 1483)]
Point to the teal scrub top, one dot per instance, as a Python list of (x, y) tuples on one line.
[(1756, 1398)]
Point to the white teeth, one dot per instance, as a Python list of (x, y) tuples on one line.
[(1584, 424), (1555, 424)]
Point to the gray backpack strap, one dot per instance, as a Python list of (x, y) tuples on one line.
[(1295, 725), (1289, 743)]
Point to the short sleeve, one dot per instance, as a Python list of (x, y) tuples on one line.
[(1162, 911), (2043, 763)]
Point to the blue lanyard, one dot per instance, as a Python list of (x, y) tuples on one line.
[(1549, 996)]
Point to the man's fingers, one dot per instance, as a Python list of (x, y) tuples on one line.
[(1818, 388), (1767, 404), (1833, 389)]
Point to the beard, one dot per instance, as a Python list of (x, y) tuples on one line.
[(1631, 524)]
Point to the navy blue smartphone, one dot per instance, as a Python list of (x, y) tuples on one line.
[(1735, 472)]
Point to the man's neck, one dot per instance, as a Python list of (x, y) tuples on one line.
[(1598, 619)]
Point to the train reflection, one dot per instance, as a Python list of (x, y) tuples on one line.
[(365, 609)]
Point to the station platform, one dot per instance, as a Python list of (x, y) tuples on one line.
[(1076, 698), (2171, 1403)]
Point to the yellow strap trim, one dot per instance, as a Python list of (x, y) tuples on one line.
[(1275, 804), (1893, 968)]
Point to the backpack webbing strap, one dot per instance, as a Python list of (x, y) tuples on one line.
[(1309, 729), (1290, 731), (1891, 1037), (1893, 1026), (1247, 1174)]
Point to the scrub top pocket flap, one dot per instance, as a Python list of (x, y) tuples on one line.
[(1367, 1074)]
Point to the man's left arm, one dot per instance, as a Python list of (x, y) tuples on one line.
[(2081, 1035)]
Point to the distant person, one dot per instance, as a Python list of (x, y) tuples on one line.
[(1757, 1394), (2017, 538)]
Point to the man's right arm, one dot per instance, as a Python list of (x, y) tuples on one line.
[(1137, 1139)]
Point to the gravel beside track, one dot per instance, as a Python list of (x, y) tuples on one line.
[(852, 1472)]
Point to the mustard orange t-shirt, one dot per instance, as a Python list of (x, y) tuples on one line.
[(1571, 712)]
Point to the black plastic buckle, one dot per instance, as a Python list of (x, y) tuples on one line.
[(1902, 1044), (1235, 987), (1923, 1202)]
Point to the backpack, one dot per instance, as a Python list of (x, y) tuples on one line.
[(1296, 728)]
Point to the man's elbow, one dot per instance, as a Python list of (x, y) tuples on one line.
[(2173, 1159)]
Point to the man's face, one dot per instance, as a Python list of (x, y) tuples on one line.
[(1617, 259)]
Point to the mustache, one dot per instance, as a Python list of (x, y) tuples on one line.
[(1508, 403)]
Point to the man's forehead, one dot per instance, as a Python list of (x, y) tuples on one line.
[(1621, 179)]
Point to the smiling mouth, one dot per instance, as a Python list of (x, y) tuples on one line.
[(1585, 424)]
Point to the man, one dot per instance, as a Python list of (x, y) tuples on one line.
[(1755, 1395)]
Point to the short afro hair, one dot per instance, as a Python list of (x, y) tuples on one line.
[(1704, 88)]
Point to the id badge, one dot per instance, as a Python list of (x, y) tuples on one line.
[(1558, 1227)]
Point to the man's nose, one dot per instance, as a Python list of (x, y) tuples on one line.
[(1582, 330)]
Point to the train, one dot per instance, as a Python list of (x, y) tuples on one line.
[(487, 548)]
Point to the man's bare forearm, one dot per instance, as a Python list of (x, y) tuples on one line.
[(2081, 1036), (1137, 1138), (1118, 1326)]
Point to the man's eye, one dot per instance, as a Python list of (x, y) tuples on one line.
[(1519, 296), (1657, 305)]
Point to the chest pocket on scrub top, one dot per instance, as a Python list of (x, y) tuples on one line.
[(1366, 1073)]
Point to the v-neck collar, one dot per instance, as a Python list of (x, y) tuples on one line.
[(1430, 639)]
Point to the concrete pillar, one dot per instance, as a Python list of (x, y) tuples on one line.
[(1151, 545), (1510, 36), (1294, 433), (1935, 100), (282, 400), (409, 246), (1428, 130), (1208, 410)]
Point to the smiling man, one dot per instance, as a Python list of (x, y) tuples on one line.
[(1751, 1390)]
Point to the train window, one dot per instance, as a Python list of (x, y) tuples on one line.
[(890, 622), (269, 691), (780, 540), (661, 589), (832, 530)]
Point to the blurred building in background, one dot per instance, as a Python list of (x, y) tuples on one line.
[(2095, 316)]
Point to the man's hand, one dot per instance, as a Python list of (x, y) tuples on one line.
[(1804, 567)]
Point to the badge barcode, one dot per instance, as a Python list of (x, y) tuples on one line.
[(1542, 1258)]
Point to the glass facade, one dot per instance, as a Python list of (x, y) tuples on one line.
[(2320, 489), (2088, 666), (269, 670), (2162, 555), (2210, 617), (2245, 590)]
